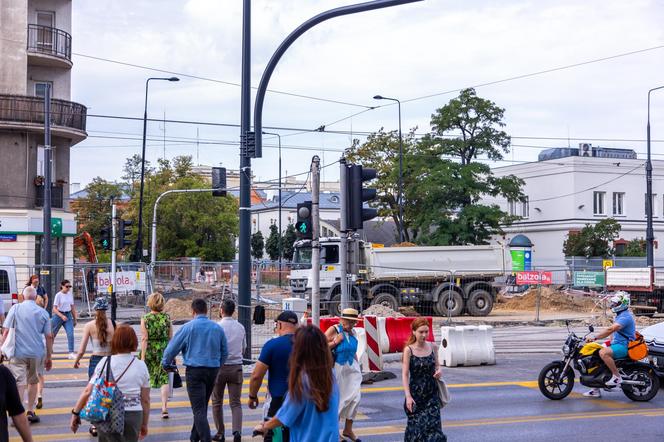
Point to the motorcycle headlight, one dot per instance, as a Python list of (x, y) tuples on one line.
[(566, 349)]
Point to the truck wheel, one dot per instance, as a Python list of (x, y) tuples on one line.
[(480, 303), (334, 305), (386, 299), (449, 303)]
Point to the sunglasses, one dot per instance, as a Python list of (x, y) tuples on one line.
[(68, 286)]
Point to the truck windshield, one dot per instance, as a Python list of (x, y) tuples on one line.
[(302, 258)]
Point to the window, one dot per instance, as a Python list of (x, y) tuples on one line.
[(41, 155), (40, 88), (330, 255), (618, 203), (4, 282), (598, 203), (45, 35), (511, 207), (654, 204), (525, 208)]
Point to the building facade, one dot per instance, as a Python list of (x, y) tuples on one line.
[(566, 193), (35, 51)]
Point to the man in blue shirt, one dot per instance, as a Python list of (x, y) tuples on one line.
[(624, 330), (274, 359), (204, 349)]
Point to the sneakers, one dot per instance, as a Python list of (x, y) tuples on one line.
[(593, 393), (32, 417), (40, 403), (71, 356), (614, 381)]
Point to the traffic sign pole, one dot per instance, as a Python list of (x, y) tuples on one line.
[(114, 304)]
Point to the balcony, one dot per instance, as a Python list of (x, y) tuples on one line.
[(49, 47), (57, 196), (27, 113)]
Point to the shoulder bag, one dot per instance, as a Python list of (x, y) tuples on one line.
[(9, 345), (114, 423)]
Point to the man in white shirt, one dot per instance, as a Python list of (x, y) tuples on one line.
[(230, 374)]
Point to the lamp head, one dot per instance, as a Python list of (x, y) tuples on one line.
[(174, 79), (378, 97)]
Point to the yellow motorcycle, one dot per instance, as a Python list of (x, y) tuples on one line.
[(556, 380)]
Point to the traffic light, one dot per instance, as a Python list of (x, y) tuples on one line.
[(219, 181), (124, 231), (106, 237), (356, 213), (303, 224)]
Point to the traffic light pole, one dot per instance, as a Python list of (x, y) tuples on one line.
[(343, 245), (114, 303), (315, 243)]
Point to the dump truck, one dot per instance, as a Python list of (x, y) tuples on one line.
[(441, 279), (644, 284)]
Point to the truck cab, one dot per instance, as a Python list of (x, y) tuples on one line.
[(329, 266)]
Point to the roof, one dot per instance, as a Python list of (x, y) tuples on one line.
[(290, 200), (81, 194)]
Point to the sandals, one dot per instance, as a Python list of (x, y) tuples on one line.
[(93, 431), (164, 414), (350, 438)]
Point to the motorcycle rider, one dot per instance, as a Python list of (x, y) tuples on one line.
[(624, 330)]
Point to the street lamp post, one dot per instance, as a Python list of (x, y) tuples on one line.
[(650, 234), (401, 232), (138, 250), (280, 249)]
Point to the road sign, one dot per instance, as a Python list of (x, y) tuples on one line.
[(534, 278), (607, 263), (588, 279)]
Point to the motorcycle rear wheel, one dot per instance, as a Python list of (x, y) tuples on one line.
[(555, 384), (638, 393)]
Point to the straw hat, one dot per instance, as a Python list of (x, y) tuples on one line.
[(351, 314)]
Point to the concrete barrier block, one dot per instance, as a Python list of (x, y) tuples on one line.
[(467, 345)]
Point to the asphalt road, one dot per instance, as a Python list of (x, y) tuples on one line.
[(492, 403)]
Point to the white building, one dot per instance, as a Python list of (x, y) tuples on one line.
[(565, 194)]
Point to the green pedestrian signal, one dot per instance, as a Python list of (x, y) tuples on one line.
[(106, 237), (303, 224)]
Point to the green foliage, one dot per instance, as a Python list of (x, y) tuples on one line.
[(635, 247), (94, 211), (132, 170), (257, 245), (188, 224), (289, 238), (272, 243), (593, 241), (443, 186), (381, 152)]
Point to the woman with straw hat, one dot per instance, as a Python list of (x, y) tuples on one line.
[(343, 343)]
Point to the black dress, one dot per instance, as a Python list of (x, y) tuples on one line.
[(424, 423)]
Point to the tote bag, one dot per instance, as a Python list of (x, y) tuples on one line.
[(9, 346)]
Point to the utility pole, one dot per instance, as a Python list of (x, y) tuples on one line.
[(343, 245), (244, 277), (48, 179), (114, 233), (315, 243), (650, 234)]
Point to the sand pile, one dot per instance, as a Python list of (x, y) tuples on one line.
[(382, 311), (551, 300), (181, 309)]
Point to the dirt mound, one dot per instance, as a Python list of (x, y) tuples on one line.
[(551, 300), (181, 309), (382, 311)]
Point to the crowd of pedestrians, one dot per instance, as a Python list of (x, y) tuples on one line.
[(314, 378)]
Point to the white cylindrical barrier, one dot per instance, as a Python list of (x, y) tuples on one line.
[(467, 345), (361, 353)]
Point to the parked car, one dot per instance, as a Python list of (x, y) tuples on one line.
[(8, 288), (654, 337)]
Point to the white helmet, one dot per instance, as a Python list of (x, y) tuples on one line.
[(619, 301)]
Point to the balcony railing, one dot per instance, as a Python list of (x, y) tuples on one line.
[(57, 196), (25, 109), (49, 41)]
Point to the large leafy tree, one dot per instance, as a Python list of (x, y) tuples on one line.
[(132, 169), (380, 151), (272, 243), (593, 241), (189, 224), (94, 211)]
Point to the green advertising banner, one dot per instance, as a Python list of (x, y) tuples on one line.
[(518, 260), (589, 279)]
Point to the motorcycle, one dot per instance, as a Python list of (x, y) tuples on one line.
[(556, 380)]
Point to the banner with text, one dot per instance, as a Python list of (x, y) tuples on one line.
[(124, 281), (534, 278)]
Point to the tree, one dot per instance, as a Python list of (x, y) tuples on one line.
[(289, 238), (272, 243), (635, 247), (257, 245), (380, 151), (447, 187), (189, 224), (593, 241), (132, 169), (93, 212)]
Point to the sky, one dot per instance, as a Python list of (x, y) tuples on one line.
[(421, 53)]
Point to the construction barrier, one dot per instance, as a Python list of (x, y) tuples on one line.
[(396, 331), (374, 352), (466, 345), (361, 353)]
